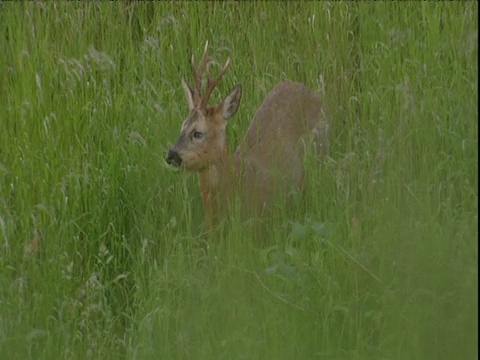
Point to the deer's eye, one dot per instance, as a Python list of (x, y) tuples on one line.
[(197, 135)]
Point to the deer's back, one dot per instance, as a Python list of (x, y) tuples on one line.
[(270, 159)]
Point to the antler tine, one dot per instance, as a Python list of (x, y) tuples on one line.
[(211, 84), (197, 86), (198, 72)]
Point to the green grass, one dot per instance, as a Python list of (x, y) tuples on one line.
[(379, 261)]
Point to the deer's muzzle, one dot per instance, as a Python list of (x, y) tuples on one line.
[(173, 158)]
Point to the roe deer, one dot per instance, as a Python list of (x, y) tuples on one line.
[(269, 162)]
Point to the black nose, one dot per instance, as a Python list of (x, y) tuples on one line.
[(173, 158)]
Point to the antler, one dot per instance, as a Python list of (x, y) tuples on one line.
[(212, 83), (198, 74)]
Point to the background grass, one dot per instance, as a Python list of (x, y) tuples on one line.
[(102, 253)]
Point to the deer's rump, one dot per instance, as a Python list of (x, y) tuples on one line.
[(270, 159)]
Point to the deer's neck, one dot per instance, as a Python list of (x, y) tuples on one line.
[(216, 185)]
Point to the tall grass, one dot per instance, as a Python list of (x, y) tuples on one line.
[(102, 253)]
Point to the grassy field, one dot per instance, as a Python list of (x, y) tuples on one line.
[(102, 254)]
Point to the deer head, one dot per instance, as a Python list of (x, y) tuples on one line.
[(202, 140)]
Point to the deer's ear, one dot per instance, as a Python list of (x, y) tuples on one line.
[(230, 105), (188, 93)]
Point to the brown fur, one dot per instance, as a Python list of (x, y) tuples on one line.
[(272, 154)]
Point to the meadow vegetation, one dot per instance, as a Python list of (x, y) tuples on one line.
[(102, 250)]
